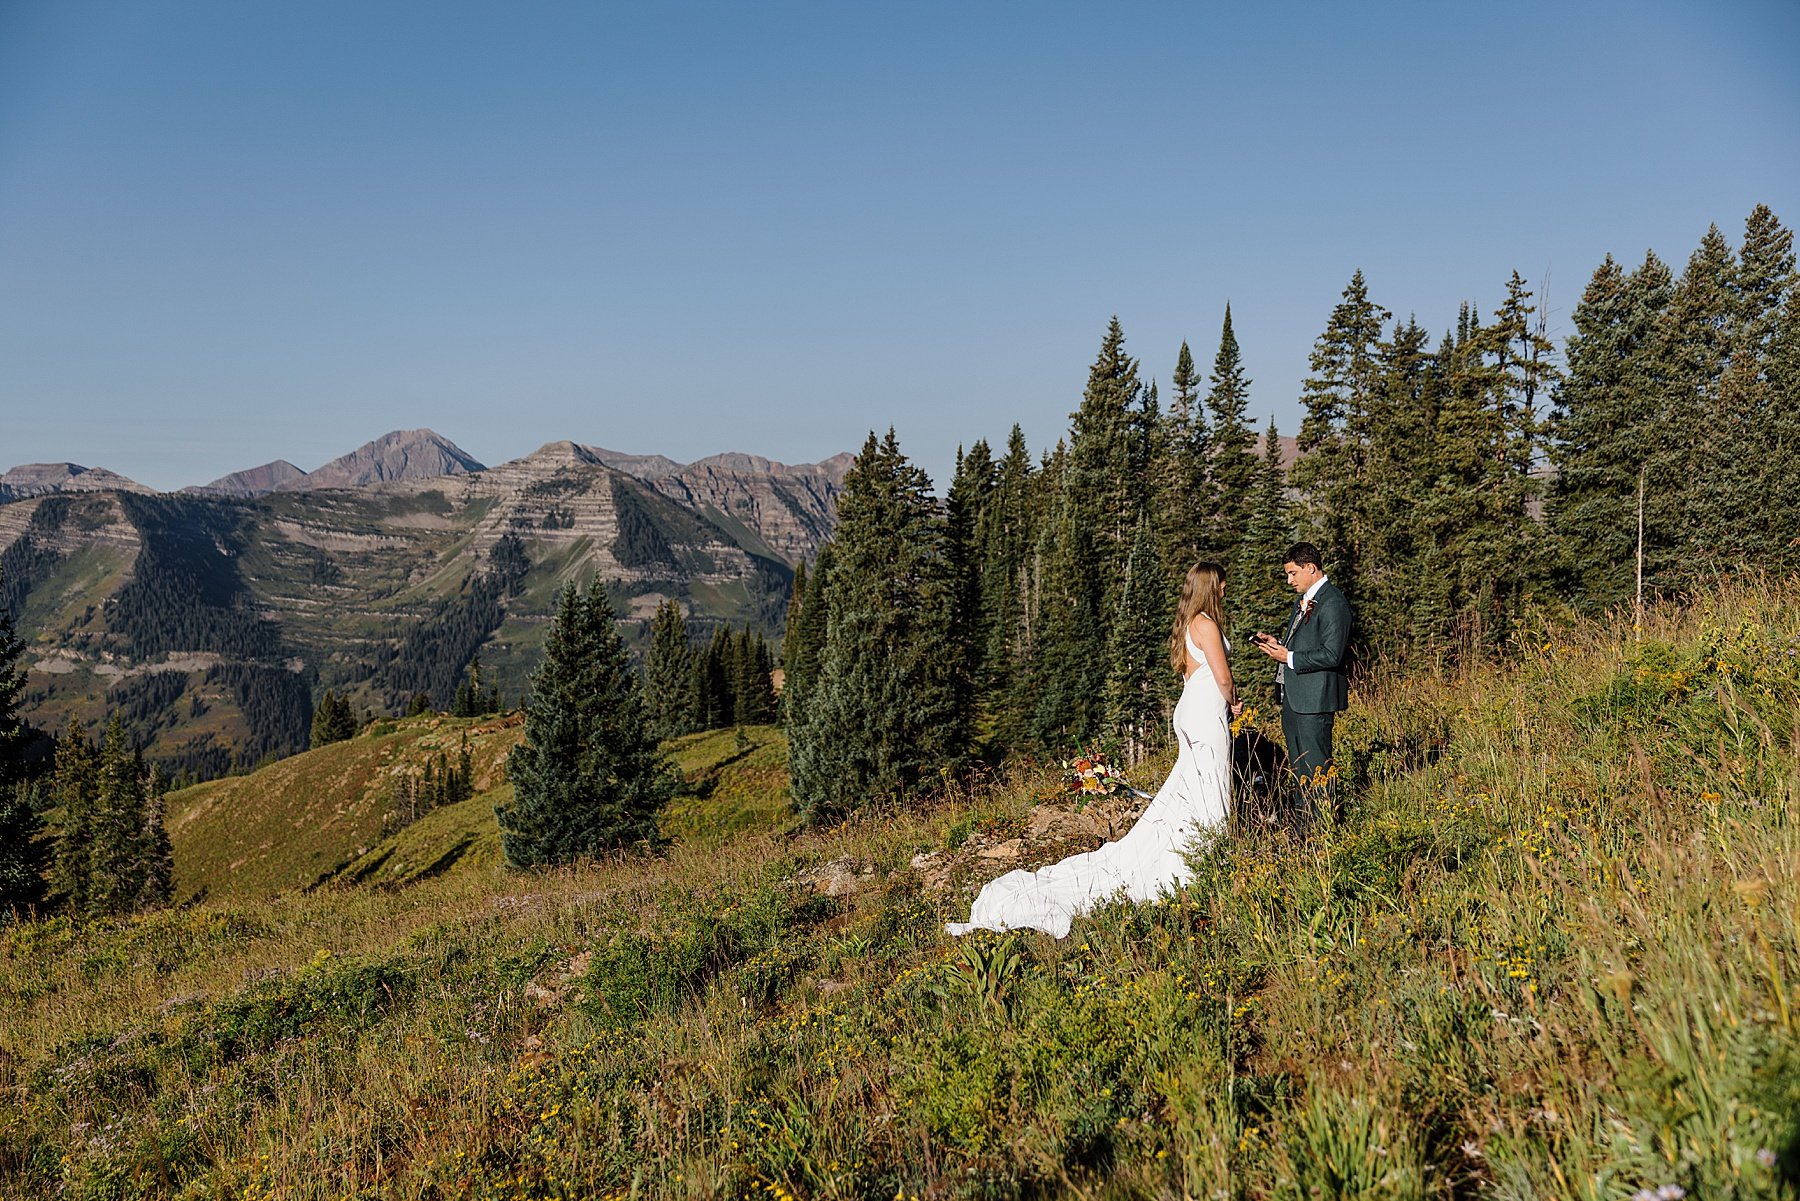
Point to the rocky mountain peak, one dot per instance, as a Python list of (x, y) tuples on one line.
[(37, 479), (402, 455), (252, 481)]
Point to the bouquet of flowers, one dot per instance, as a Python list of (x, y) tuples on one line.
[(1090, 775)]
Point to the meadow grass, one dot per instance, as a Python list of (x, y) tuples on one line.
[(1550, 947)]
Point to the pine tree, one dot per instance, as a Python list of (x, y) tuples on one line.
[(1258, 598), (13, 733), (75, 793), (22, 849), (1108, 460), (971, 490), (1233, 465), (117, 866), (1182, 482), (881, 719), (1005, 536), (332, 720), (1734, 487), (1137, 663), (156, 855), (1693, 433), (588, 777), (419, 705), (805, 638), (669, 674), (1331, 472), (1069, 660), (752, 693)]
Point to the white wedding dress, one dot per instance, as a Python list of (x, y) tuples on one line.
[(1148, 860)]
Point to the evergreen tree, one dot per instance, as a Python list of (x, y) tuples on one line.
[(419, 705), (1735, 485), (752, 693), (156, 854), (1401, 457), (1258, 597), (805, 639), (1605, 430), (881, 719), (13, 732), (1692, 433), (1005, 536), (1182, 482), (1108, 461), (1137, 662), (23, 851), (75, 793), (669, 674), (332, 720), (971, 490), (1233, 465), (117, 862), (588, 777), (1331, 472), (1069, 660), (473, 700)]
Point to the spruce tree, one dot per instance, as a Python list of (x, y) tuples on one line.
[(1331, 472), (971, 490), (1181, 478), (156, 871), (22, 848), (75, 795), (1258, 597), (13, 732), (669, 674), (882, 718), (1693, 432), (1005, 536), (1069, 659), (1108, 458), (332, 720), (805, 638), (588, 777), (1233, 465), (23, 851), (117, 862), (1137, 659)]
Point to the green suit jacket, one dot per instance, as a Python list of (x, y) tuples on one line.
[(1316, 682)]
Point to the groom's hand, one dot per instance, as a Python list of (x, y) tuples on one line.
[(1271, 647)]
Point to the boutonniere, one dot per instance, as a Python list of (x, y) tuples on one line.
[(1306, 611)]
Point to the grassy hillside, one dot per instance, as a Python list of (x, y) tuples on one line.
[(328, 816), (1551, 949)]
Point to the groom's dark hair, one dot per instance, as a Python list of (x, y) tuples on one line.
[(1304, 554)]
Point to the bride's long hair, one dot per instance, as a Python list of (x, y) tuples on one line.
[(1201, 592)]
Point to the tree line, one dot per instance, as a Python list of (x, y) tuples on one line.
[(1452, 484), (724, 681)]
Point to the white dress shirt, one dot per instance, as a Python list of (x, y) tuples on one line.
[(1305, 600)]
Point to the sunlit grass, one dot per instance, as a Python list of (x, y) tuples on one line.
[(1551, 948)]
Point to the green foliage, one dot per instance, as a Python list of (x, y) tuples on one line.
[(474, 700), (112, 849), (332, 720), (883, 715), (669, 676), (588, 778), (1138, 673)]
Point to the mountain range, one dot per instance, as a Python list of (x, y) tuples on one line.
[(209, 618)]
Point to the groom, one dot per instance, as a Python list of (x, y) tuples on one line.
[(1310, 680)]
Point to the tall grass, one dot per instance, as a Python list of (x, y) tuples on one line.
[(1549, 948)]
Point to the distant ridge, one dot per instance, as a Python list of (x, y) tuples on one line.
[(252, 481), (37, 479), (402, 455)]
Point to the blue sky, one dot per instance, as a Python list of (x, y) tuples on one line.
[(233, 232)]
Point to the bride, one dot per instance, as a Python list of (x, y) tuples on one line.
[(1149, 859)]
